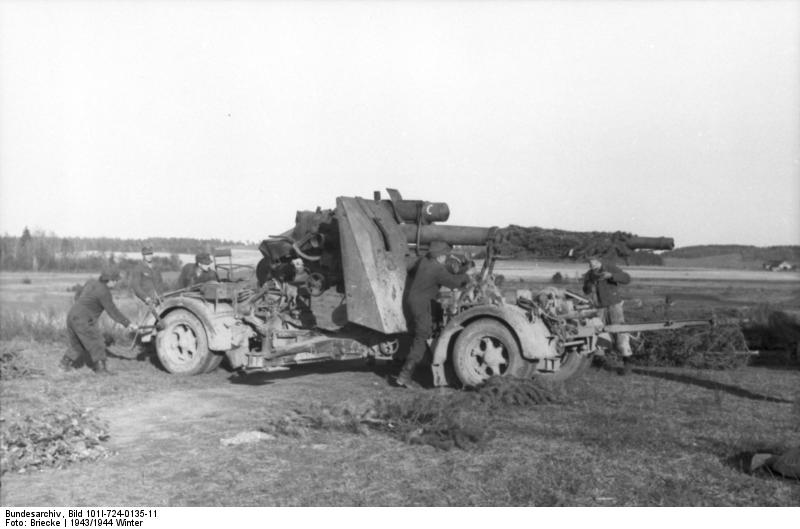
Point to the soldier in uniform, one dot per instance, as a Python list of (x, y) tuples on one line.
[(431, 274), (85, 338), (603, 280), (198, 272), (146, 280)]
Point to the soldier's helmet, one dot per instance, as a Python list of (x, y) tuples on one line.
[(147, 250), (202, 258)]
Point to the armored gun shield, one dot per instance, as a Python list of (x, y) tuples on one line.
[(373, 258)]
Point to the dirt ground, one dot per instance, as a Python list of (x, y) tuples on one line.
[(658, 437)]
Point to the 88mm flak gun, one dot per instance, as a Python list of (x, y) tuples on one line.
[(350, 266)]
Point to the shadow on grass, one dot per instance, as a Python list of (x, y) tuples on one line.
[(382, 370), (709, 384), (741, 462), (780, 359)]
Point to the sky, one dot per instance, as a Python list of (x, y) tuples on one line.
[(222, 119)]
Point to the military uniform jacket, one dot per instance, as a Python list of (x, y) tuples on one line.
[(95, 297), (146, 281), (429, 277), (606, 289), (191, 274)]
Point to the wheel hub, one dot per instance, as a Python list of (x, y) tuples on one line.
[(184, 343), (489, 356)]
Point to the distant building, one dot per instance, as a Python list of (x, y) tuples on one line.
[(778, 266)]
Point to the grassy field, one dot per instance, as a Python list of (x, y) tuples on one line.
[(662, 436)]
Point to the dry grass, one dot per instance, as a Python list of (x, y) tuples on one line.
[(50, 326), (46, 325)]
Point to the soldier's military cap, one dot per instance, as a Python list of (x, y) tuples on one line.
[(109, 274), (202, 258), (147, 250), (438, 248)]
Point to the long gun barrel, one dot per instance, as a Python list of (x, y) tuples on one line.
[(462, 235)]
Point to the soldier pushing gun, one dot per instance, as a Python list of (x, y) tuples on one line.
[(85, 338), (602, 280), (431, 274)]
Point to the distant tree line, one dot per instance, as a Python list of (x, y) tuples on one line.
[(48, 252)]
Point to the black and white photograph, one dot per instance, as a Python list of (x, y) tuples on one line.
[(540, 255)]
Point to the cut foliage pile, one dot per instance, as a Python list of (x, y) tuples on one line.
[(13, 363), (717, 347), (452, 420), (518, 392), (51, 439), (771, 328), (441, 421)]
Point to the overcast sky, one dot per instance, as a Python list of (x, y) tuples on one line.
[(221, 119)]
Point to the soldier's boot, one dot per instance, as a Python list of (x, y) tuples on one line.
[(404, 379), (625, 368), (100, 368), (66, 364)]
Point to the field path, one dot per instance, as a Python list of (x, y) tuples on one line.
[(163, 439)]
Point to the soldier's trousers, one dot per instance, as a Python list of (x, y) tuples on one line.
[(614, 314), (85, 339), (422, 329)]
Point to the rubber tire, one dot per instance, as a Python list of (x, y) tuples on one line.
[(468, 370), (214, 361), (167, 349), (573, 365)]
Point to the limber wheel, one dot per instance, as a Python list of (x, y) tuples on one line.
[(486, 348), (572, 365), (182, 345)]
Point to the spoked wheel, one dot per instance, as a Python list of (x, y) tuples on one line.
[(486, 348), (182, 345)]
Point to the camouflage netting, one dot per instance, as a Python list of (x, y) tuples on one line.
[(719, 347), (51, 439), (771, 328), (545, 243), (454, 420)]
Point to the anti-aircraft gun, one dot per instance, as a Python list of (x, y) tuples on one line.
[(350, 265)]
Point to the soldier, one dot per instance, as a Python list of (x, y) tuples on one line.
[(430, 276), (602, 280), (146, 280), (198, 272), (85, 338)]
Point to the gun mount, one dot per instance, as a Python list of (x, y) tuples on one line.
[(350, 265)]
